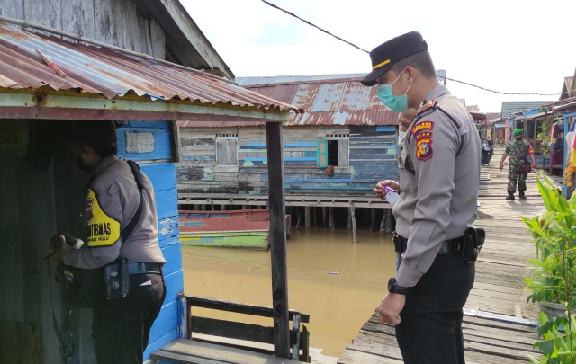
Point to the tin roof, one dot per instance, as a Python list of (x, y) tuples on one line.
[(337, 100), (34, 60), (568, 87), (510, 108)]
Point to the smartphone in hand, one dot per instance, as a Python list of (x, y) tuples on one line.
[(391, 195)]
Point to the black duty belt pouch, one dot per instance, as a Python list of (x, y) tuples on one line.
[(468, 247), (116, 280), (82, 287)]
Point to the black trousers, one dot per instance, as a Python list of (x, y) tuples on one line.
[(431, 327), (121, 327)]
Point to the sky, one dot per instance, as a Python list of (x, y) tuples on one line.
[(505, 45)]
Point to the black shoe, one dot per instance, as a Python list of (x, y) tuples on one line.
[(510, 196), (522, 196)]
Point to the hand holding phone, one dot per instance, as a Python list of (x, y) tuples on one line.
[(391, 195)]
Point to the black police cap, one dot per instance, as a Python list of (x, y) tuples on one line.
[(392, 51)]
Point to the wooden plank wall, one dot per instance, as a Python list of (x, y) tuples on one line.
[(198, 169), (371, 157), (115, 22), (41, 194), (156, 161)]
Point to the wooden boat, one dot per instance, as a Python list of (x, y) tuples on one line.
[(234, 228)]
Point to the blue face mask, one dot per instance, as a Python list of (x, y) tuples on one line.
[(393, 102)]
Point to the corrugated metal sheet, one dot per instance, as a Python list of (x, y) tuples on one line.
[(269, 80), (509, 108), (219, 124), (568, 90), (32, 60), (331, 102)]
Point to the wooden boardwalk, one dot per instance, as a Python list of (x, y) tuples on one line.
[(499, 323)]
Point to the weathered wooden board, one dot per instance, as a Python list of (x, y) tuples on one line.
[(365, 158)]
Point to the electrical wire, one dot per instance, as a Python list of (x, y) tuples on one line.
[(364, 50)]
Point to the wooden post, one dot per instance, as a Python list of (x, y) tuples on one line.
[(307, 217), (314, 217), (349, 218), (353, 214), (298, 217), (372, 219), (277, 238), (331, 218), (389, 222), (324, 221), (383, 222)]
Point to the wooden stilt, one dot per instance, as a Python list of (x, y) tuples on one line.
[(389, 222), (383, 222), (298, 218), (314, 217), (324, 217), (331, 218), (349, 220), (372, 220), (307, 217), (353, 213)]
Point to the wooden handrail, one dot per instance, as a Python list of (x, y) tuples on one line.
[(240, 308)]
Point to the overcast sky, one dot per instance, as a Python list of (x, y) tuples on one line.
[(505, 45)]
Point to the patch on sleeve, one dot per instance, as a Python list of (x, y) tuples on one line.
[(422, 125), (424, 145), (103, 230)]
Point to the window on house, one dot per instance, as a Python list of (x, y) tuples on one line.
[(227, 149), (338, 149)]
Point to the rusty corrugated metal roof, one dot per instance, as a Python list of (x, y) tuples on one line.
[(33, 60), (337, 100)]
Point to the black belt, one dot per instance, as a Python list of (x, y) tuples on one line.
[(401, 244), (142, 268)]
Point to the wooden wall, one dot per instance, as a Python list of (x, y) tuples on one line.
[(150, 144), (371, 157), (115, 22)]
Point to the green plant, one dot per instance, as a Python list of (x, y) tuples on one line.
[(553, 278), (557, 342)]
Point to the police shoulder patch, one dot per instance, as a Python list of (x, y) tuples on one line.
[(422, 131)]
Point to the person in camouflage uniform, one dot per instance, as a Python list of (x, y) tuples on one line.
[(518, 150)]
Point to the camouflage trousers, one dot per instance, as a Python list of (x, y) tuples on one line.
[(516, 178)]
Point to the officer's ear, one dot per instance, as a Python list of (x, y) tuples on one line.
[(412, 73)]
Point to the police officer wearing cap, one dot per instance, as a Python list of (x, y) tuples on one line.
[(122, 232), (439, 183)]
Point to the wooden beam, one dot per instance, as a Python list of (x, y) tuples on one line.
[(277, 238), (241, 308), (232, 330)]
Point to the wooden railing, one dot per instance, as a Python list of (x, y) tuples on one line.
[(299, 334)]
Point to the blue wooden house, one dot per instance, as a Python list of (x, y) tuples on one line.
[(103, 62), (342, 142)]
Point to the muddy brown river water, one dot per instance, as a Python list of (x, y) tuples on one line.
[(335, 281)]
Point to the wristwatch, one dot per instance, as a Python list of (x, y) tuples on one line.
[(393, 287)]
